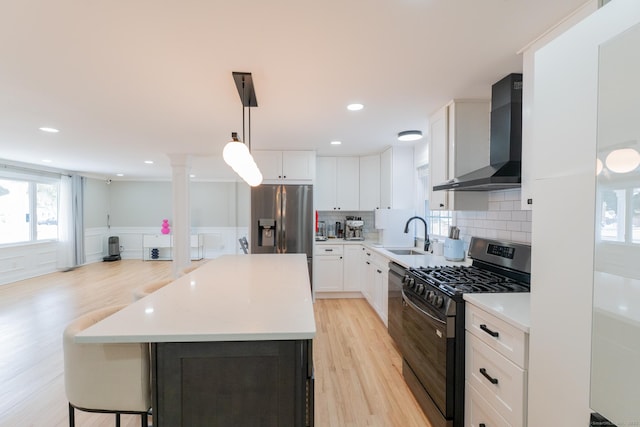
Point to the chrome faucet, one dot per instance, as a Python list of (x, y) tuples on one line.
[(426, 235)]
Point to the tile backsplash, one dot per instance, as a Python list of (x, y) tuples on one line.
[(504, 220)]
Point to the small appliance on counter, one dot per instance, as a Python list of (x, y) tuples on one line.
[(354, 228), (321, 231), (453, 246)]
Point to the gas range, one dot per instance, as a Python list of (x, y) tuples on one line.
[(426, 318)]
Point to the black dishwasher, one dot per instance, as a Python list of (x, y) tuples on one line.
[(396, 277)]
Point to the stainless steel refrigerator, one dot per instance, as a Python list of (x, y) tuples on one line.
[(282, 220)]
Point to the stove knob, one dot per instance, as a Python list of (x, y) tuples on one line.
[(405, 279), (439, 301), (411, 282), (420, 288), (430, 296)]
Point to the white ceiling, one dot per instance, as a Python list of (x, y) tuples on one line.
[(128, 81)]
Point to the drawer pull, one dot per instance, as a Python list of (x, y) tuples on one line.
[(489, 377), (328, 250), (489, 331)]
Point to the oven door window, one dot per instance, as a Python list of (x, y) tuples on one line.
[(425, 349)]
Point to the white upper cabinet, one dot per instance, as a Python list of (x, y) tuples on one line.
[(370, 182), (438, 164), (337, 186), (459, 145), (286, 165), (397, 178), (532, 158)]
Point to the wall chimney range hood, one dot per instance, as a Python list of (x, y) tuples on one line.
[(505, 155)]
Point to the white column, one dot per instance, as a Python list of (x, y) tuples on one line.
[(181, 230)]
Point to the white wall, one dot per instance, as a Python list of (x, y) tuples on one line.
[(566, 78)]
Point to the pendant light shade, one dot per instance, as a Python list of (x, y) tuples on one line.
[(236, 154)]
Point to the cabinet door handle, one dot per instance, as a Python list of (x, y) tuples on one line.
[(368, 263), (379, 271), (489, 331), (489, 377), (482, 425)]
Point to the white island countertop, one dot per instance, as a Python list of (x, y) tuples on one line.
[(231, 298), (514, 307)]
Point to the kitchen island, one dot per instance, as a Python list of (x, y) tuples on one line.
[(231, 342)]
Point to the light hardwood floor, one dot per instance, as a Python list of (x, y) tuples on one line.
[(357, 367)]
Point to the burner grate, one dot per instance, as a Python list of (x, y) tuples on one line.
[(466, 279)]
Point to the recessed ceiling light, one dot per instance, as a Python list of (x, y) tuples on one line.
[(149, 162), (50, 130), (355, 107), (46, 160), (119, 174), (336, 142), (410, 135), (192, 176)]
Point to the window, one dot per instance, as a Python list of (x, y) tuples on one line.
[(619, 215), (438, 221), (28, 210)]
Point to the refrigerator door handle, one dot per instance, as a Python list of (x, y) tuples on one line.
[(283, 230), (279, 218)]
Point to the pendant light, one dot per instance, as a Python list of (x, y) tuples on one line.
[(237, 154)]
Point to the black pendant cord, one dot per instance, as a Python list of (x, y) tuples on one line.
[(243, 101)]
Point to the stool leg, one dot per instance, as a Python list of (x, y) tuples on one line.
[(145, 421), (72, 419), (117, 419)]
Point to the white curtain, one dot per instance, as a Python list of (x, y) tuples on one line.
[(70, 223)]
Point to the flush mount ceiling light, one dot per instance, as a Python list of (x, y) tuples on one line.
[(355, 107), (236, 154), (410, 135), (622, 160), (50, 130), (336, 142)]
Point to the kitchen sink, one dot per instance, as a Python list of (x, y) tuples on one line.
[(405, 252)]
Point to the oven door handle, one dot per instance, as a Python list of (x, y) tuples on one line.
[(415, 307)]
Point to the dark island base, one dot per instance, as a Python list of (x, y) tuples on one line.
[(246, 383)]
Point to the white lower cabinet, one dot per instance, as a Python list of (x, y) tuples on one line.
[(375, 286), (496, 361), (328, 269), (337, 269), (352, 271), (478, 412)]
